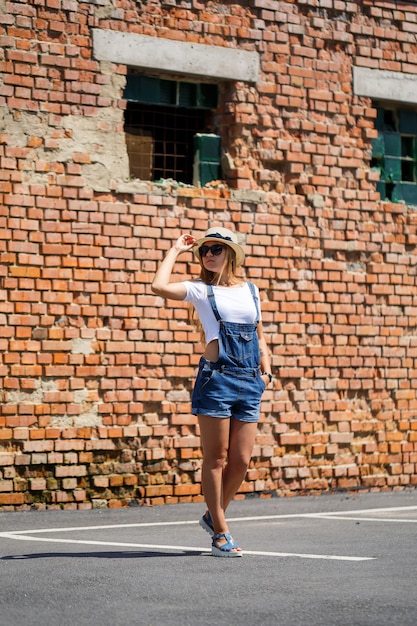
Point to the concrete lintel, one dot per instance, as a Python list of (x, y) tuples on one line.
[(385, 85), (179, 57)]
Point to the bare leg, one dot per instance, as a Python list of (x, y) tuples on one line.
[(214, 434), (221, 439), (241, 441)]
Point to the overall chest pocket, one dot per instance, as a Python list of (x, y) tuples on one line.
[(239, 343)]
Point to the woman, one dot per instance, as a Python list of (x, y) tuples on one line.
[(233, 372)]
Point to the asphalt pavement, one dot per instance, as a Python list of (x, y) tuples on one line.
[(333, 560)]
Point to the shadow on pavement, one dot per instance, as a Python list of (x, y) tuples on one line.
[(101, 555)]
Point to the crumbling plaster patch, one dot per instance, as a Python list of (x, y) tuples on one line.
[(82, 346), (107, 148), (100, 137), (88, 417), (32, 397)]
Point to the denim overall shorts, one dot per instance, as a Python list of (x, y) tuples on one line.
[(232, 386)]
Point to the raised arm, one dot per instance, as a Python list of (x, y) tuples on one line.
[(162, 284)]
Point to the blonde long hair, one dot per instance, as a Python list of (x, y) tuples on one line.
[(210, 278)]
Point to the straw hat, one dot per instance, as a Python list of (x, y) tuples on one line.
[(224, 236)]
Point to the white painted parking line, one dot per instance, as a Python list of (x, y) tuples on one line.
[(394, 520), (117, 544), (350, 515), (391, 509), (160, 547), (334, 515), (259, 518), (106, 527), (326, 557)]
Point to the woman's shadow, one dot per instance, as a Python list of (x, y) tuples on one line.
[(125, 554)]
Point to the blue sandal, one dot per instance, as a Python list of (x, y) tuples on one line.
[(207, 523), (225, 550)]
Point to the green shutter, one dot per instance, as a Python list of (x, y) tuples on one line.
[(148, 89), (407, 122), (394, 153), (392, 168), (187, 95), (379, 120), (208, 96), (207, 156), (380, 187), (378, 146), (405, 192), (154, 90), (131, 91), (392, 144), (167, 92)]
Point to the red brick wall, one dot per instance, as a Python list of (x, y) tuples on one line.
[(96, 372)]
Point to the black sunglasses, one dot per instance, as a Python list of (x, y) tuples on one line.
[(215, 250)]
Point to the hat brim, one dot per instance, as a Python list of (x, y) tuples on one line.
[(238, 250)]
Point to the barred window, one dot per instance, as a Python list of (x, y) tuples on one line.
[(169, 130), (394, 154)]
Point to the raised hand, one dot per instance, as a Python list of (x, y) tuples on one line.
[(185, 242)]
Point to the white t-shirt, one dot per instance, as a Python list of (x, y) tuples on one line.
[(235, 304)]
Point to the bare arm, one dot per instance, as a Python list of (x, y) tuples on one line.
[(265, 359), (162, 284)]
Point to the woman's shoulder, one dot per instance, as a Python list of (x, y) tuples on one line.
[(195, 288)]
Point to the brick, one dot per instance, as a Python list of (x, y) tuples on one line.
[(69, 483), (37, 484), (63, 471), (6, 459), (116, 481), (9, 499)]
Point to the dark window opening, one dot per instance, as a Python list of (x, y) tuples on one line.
[(394, 154), (169, 130)]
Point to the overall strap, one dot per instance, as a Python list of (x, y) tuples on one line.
[(212, 301), (256, 301), (213, 305)]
